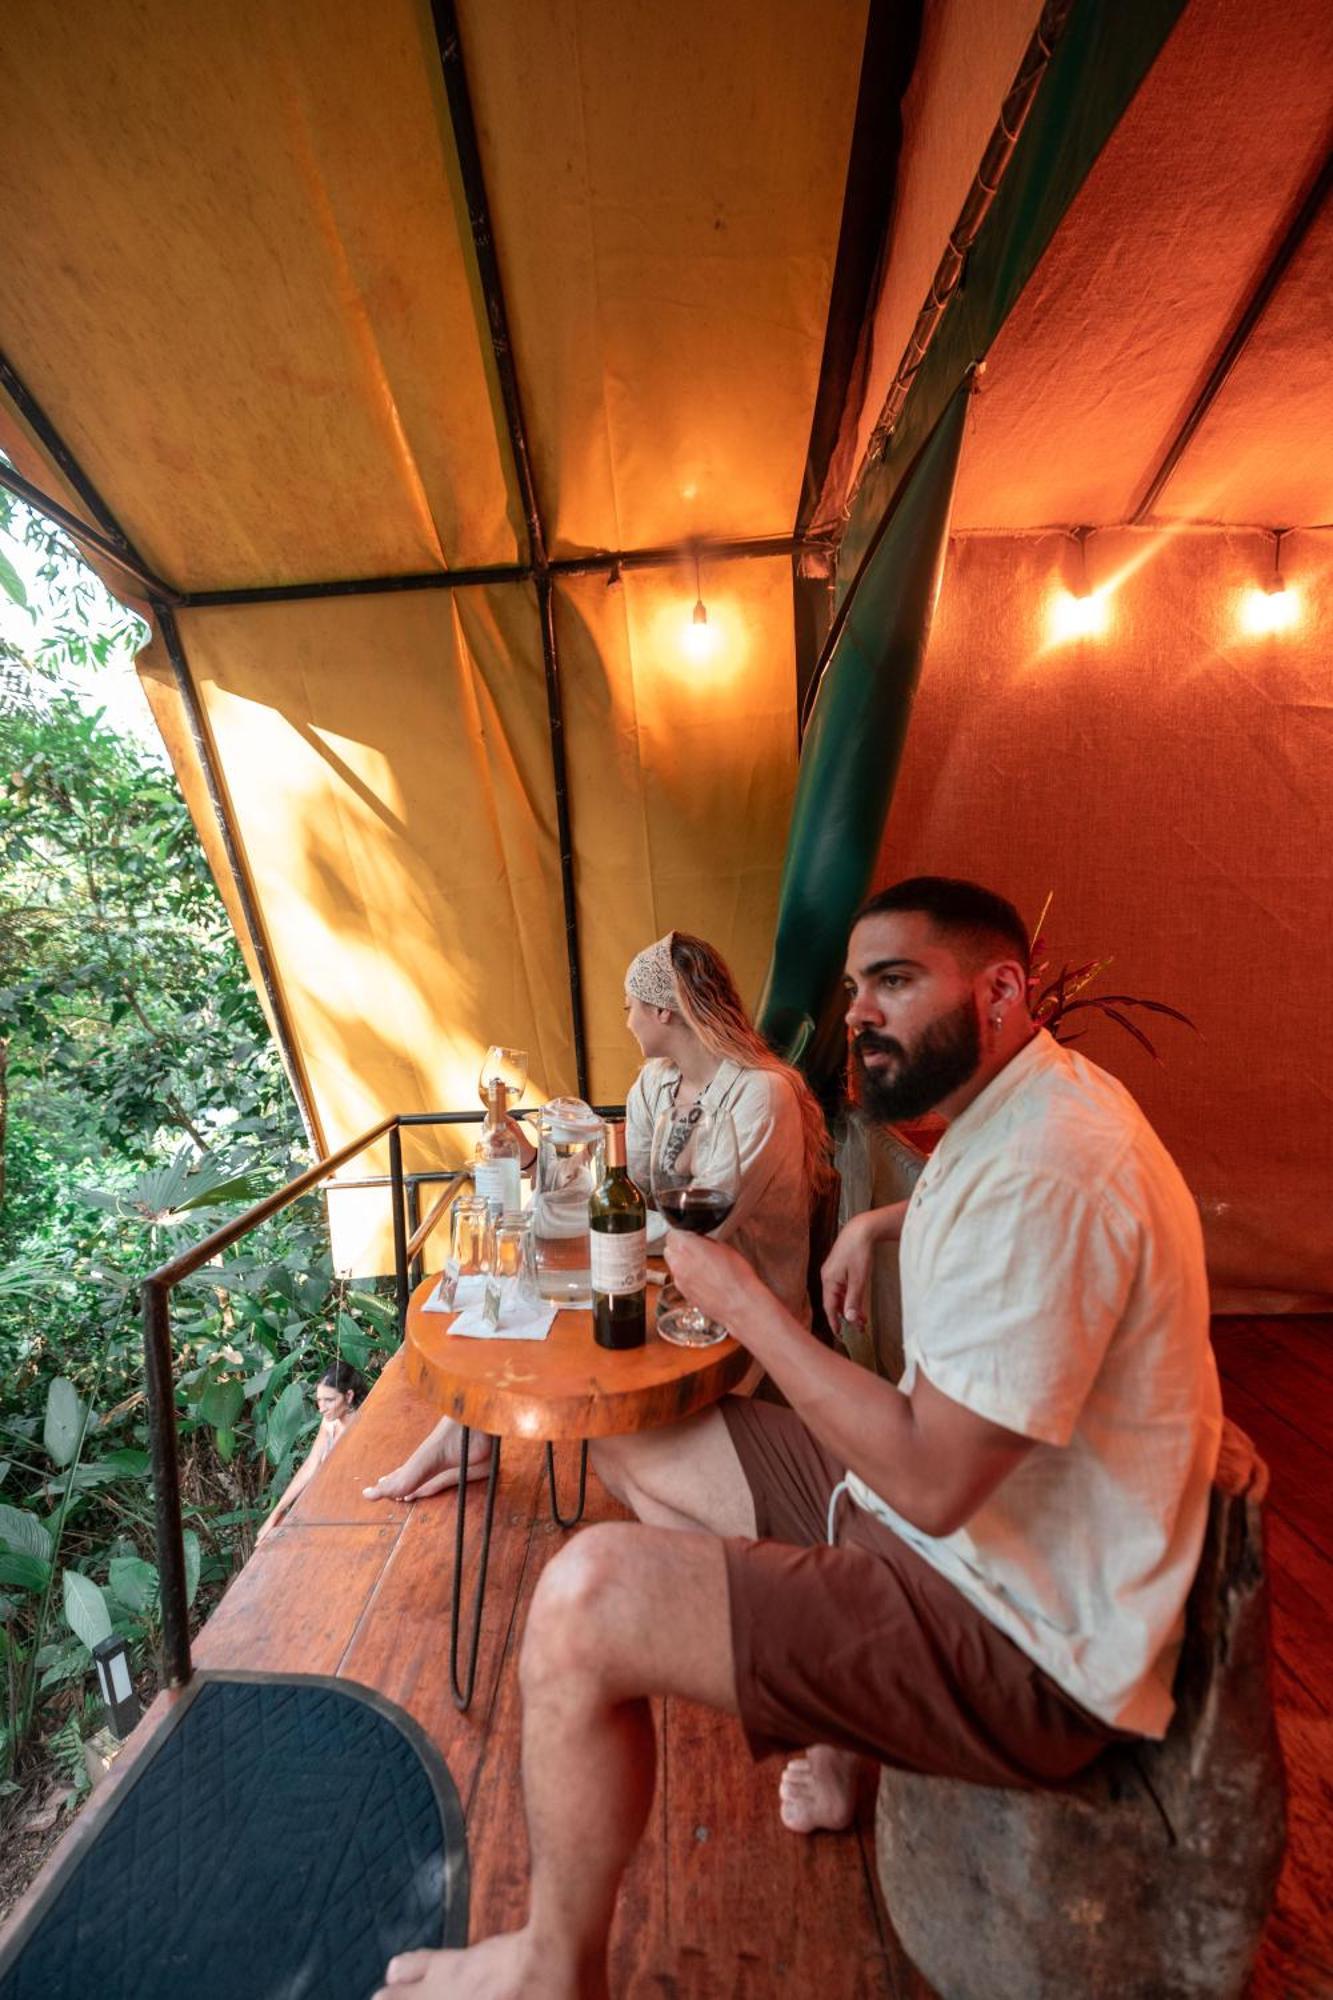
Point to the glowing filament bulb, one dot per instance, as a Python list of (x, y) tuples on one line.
[(1081, 617), (1273, 610)]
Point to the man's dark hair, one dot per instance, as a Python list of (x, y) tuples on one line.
[(975, 920)]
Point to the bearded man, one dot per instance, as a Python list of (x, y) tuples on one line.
[(979, 1572)]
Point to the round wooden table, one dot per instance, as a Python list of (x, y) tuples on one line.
[(563, 1387)]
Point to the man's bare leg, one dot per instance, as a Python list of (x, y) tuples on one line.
[(434, 1465), (621, 1614), (686, 1475)]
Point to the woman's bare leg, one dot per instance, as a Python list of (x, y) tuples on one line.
[(434, 1465)]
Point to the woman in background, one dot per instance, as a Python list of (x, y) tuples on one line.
[(339, 1395)]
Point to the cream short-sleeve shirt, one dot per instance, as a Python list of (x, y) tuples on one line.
[(1053, 1281), (770, 1223)]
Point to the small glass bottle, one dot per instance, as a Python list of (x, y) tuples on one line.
[(617, 1230), (496, 1168)]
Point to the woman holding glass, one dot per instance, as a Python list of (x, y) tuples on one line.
[(706, 1065), (707, 1074)]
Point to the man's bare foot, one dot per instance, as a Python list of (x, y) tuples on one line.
[(818, 1791), (434, 1465), (500, 1968)]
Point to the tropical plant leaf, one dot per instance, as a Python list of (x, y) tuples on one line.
[(25, 1533), (20, 1571), (1123, 1021), (12, 583), (1130, 1000), (133, 1583), (241, 1187), (285, 1421), (64, 1421), (85, 1609), (353, 1344), (69, 1661), (221, 1403)]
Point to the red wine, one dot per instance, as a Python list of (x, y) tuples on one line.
[(698, 1209)]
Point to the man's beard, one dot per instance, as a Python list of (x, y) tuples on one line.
[(945, 1056)]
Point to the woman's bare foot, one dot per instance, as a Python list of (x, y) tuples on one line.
[(818, 1791), (500, 1968), (434, 1465)]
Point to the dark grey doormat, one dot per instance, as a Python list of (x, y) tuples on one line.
[(286, 1836)]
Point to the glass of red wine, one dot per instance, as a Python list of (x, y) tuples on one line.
[(696, 1174)]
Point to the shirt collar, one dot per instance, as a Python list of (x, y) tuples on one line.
[(1041, 1053)]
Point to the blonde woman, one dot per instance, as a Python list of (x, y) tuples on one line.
[(701, 1051), (700, 1048)]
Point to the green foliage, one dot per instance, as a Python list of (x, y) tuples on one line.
[(140, 1100)]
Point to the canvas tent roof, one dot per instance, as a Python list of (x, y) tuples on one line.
[(247, 320)]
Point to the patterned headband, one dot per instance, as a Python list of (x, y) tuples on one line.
[(651, 977)]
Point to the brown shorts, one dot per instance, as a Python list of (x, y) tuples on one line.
[(865, 1646)]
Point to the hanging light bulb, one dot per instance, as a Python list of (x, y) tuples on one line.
[(699, 637), (1274, 608), (1081, 613)]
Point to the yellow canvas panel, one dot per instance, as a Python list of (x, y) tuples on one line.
[(389, 770), (666, 187), (681, 773), (970, 53), (236, 283)]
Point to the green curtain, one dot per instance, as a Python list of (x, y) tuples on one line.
[(852, 748), (1103, 54)]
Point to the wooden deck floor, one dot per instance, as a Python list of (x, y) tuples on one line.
[(720, 1901)]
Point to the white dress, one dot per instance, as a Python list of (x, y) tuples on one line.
[(770, 1224)]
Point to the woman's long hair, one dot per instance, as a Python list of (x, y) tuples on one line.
[(711, 1006)]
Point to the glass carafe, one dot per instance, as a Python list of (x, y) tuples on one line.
[(571, 1152)]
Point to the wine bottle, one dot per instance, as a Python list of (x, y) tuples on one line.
[(496, 1170), (618, 1235)]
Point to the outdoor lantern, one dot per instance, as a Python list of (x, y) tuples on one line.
[(111, 1657)]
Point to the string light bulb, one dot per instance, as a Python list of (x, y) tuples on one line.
[(1081, 613), (700, 638), (1274, 608)]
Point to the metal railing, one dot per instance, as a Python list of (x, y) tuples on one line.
[(159, 1361)]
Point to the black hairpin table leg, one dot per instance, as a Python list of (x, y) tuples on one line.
[(463, 1694), (571, 1520)]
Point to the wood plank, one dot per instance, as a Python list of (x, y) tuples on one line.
[(401, 1646), (1296, 1957), (1282, 1379), (1298, 1465), (1300, 1583), (295, 1606), (1300, 1344), (750, 1916)]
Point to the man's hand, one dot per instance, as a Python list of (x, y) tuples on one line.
[(845, 1276), (713, 1277)]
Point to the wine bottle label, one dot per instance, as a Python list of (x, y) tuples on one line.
[(619, 1263), (498, 1180)]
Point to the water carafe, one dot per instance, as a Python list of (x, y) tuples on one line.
[(571, 1151)]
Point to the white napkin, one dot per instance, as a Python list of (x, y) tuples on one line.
[(520, 1318)]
